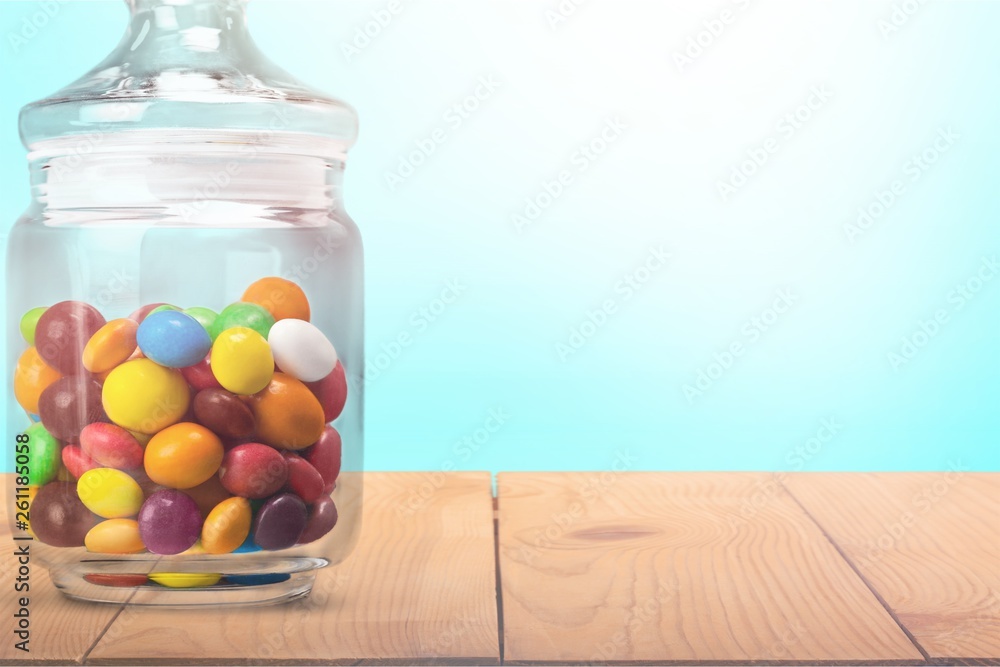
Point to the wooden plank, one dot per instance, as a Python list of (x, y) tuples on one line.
[(62, 630), (929, 543), (678, 568), (419, 587)]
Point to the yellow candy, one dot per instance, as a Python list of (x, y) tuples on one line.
[(109, 493), (142, 396), (110, 345), (115, 536), (242, 361), (142, 438), (227, 526), (185, 579), (194, 550)]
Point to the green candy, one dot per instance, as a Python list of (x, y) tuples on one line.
[(206, 317), (43, 455), (242, 314), (160, 309), (29, 322)]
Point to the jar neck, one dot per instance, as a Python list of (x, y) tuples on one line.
[(211, 181), (171, 28)]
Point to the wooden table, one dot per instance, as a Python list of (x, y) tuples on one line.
[(604, 567)]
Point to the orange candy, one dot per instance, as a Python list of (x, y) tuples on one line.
[(110, 345), (288, 415), (31, 377), (282, 298), (183, 456)]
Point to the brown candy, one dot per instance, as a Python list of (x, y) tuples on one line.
[(59, 518), (224, 413)]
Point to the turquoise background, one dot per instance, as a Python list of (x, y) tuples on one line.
[(817, 390)]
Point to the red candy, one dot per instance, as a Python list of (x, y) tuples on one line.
[(69, 404), (331, 392), (111, 446), (303, 479), (63, 331), (200, 375), (325, 456), (322, 519), (253, 470), (76, 461), (140, 313)]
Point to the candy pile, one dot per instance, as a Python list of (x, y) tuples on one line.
[(180, 431)]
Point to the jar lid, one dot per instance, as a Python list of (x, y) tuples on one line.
[(188, 70)]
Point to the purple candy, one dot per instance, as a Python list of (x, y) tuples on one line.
[(322, 519), (169, 522), (280, 522)]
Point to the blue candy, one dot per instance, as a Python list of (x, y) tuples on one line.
[(173, 339), (248, 546), (256, 579)]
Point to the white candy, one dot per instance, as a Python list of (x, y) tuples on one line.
[(301, 350)]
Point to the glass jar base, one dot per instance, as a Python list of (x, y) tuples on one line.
[(185, 589)]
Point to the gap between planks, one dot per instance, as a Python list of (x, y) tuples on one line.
[(878, 596)]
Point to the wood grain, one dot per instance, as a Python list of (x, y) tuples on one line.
[(62, 631), (419, 587), (678, 568), (929, 543)]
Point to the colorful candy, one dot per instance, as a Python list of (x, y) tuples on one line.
[(32, 376), (224, 413), (288, 415), (226, 526), (244, 315), (280, 522), (282, 298), (59, 518), (173, 339), (331, 392), (183, 456), (29, 322), (143, 396), (115, 536), (62, 332), (69, 404), (43, 455), (111, 446), (109, 493), (111, 345), (242, 361), (301, 350), (169, 522), (253, 471), (182, 432)]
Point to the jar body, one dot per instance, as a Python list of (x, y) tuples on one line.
[(127, 234)]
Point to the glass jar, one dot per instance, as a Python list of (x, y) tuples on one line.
[(185, 323)]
